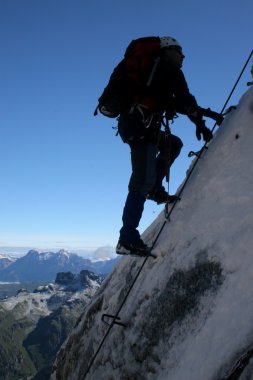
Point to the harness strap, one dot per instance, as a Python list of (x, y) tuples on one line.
[(147, 118)]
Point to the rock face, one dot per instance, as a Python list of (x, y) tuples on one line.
[(189, 313), (64, 278)]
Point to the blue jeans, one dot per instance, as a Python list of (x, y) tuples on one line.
[(149, 167)]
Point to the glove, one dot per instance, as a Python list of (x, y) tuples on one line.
[(196, 115), (201, 129), (212, 114)]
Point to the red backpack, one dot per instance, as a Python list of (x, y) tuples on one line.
[(130, 78)]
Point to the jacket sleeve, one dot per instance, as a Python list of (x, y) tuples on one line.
[(170, 89), (183, 100)]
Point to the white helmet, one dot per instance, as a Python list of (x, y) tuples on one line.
[(168, 41)]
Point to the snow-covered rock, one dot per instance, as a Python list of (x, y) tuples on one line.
[(189, 315), (6, 260), (33, 325), (43, 299)]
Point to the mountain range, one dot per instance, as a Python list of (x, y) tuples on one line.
[(44, 266)]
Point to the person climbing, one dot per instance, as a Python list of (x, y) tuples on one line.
[(146, 88), (150, 149)]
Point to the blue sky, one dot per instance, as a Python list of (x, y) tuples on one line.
[(64, 174)]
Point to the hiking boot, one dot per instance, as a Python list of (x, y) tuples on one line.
[(161, 196), (134, 249)]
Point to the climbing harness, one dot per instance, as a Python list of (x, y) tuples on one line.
[(115, 318)]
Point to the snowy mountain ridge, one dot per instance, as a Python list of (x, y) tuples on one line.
[(189, 315), (67, 287), (6, 260), (43, 266)]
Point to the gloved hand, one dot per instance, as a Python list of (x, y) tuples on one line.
[(201, 129)]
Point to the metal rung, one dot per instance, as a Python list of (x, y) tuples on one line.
[(114, 320), (197, 154), (191, 154)]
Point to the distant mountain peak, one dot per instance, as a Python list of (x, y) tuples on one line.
[(43, 266), (64, 252), (33, 252)]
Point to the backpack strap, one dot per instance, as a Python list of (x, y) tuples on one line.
[(157, 60)]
